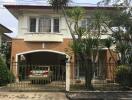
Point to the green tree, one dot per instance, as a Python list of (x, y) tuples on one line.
[(5, 75), (98, 27), (6, 53), (123, 75), (120, 25), (88, 39), (79, 45)]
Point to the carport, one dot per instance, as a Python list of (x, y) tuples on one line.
[(58, 62)]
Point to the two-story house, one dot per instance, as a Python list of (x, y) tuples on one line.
[(43, 37)]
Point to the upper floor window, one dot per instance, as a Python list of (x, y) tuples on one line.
[(85, 23), (56, 25), (44, 24), (32, 24)]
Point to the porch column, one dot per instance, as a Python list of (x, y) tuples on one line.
[(17, 72), (68, 76)]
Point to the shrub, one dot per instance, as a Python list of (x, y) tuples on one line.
[(5, 74), (124, 75)]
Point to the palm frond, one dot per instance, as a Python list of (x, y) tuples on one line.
[(58, 4)]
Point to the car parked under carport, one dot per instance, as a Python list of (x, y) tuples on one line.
[(41, 74)]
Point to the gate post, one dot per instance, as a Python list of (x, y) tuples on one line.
[(68, 76)]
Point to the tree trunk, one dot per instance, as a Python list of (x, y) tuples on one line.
[(88, 73)]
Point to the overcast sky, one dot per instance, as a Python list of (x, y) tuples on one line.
[(10, 21)]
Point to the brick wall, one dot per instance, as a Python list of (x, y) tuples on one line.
[(111, 65), (19, 46)]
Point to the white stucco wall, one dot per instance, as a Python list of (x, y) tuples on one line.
[(23, 23), (24, 15)]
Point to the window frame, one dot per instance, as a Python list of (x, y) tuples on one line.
[(45, 18), (37, 24), (58, 24), (29, 24), (87, 21)]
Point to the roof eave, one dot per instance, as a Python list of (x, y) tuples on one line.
[(4, 29)]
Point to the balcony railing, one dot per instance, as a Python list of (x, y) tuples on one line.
[(43, 37)]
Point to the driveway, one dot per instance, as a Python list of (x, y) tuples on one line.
[(32, 96)]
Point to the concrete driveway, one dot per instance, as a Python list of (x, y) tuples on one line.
[(32, 96)]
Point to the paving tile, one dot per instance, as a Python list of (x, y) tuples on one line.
[(32, 96)]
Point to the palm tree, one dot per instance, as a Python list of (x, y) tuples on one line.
[(61, 5), (97, 27), (121, 20), (58, 4), (82, 47)]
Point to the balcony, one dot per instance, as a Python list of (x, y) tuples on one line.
[(43, 37)]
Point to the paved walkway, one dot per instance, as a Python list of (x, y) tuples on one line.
[(32, 96), (61, 96), (106, 95)]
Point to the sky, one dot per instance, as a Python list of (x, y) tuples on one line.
[(8, 20)]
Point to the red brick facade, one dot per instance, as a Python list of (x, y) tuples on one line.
[(19, 46)]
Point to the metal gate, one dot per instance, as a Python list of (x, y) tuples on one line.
[(38, 77)]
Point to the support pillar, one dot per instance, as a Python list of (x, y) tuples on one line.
[(68, 76)]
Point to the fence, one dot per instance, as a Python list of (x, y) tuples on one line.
[(106, 77), (37, 77), (28, 77)]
